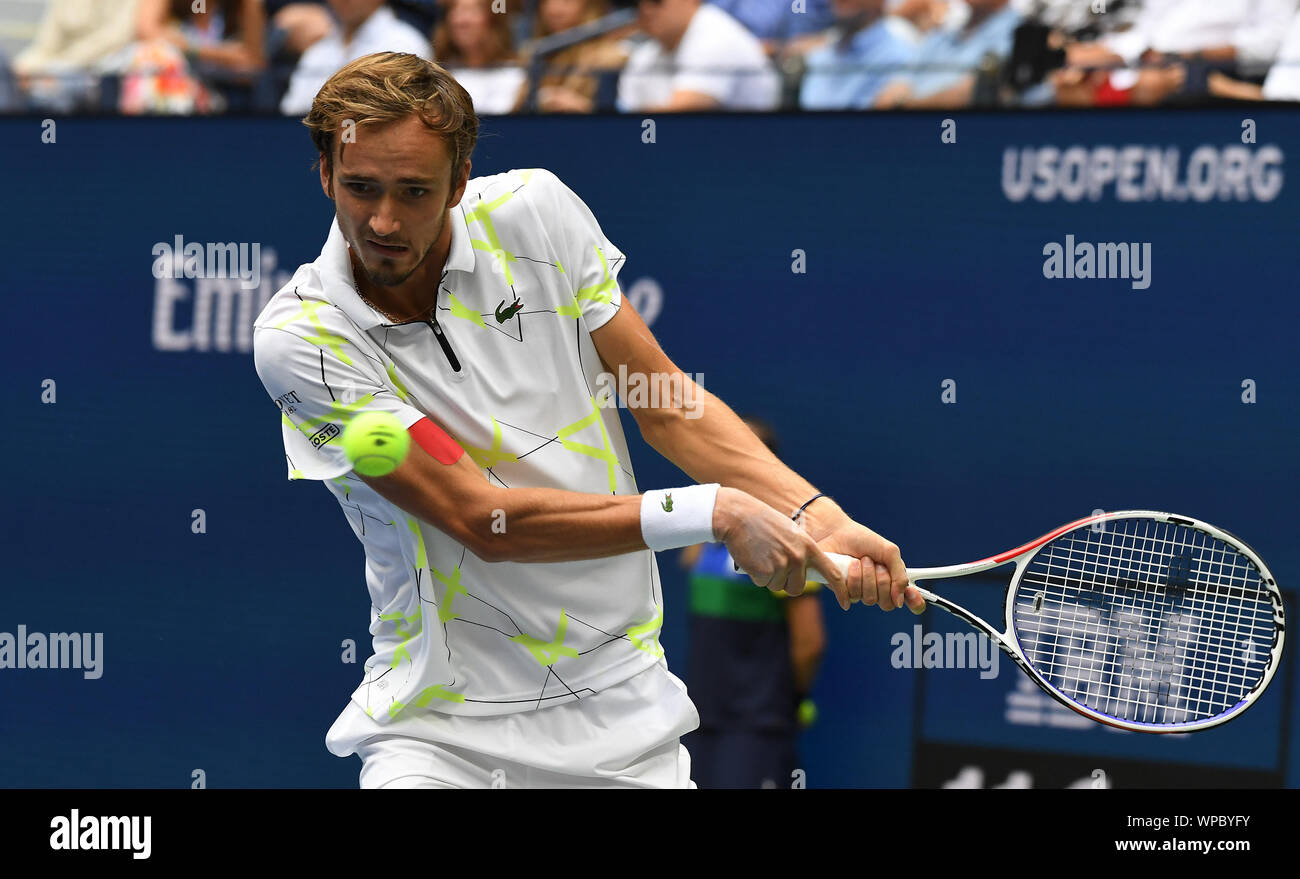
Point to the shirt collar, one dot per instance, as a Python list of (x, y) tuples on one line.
[(340, 284)]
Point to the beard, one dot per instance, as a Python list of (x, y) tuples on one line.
[(386, 273)]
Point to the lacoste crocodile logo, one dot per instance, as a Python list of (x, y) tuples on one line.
[(509, 312), (668, 502)]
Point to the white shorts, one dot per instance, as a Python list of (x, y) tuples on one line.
[(626, 735)]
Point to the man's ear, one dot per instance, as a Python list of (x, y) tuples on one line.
[(326, 177), (460, 190)]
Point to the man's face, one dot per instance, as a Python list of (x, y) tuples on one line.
[(666, 20), (353, 13), (392, 193)]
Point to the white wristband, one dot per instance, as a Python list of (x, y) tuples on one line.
[(675, 517)]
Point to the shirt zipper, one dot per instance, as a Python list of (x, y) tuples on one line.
[(442, 340), (432, 321)]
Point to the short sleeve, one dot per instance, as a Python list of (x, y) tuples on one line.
[(319, 386), (590, 261)]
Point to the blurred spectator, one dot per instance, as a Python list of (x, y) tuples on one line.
[(1081, 20), (947, 60), (1282, 82), (697, 55), (523, 18), (1186, 49), (776, 21), (521, 14), (76, 40), (752, 657), (697, 58), (227, 34), (1082, 87), (912, 20), (424, 15), (182, 54), (361, 27), (9, 102), (303, 25), (572, 79), (863, 53), (909, 20), (476, 46), (1244, 35)]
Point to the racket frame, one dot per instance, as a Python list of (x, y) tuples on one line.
[(1008, 639)]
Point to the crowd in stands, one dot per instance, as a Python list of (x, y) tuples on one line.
[(643, 56)]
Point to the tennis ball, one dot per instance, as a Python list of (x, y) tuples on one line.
[(375, 443), (807, 713)]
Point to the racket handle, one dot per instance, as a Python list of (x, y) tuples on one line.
[(814, 575), (843, 561)]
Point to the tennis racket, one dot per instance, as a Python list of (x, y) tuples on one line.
[(1140, 620)]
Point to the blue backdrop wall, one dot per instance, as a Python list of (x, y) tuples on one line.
[(923, 263)]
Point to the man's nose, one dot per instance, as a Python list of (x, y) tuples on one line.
[(383, 223)]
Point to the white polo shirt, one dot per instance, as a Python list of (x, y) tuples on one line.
[(716, 56), (528, 277)]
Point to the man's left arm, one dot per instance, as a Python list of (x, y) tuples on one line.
[(700, 433)]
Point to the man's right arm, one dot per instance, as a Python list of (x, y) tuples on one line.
[(321, 381), (553, 525), (510, 524)]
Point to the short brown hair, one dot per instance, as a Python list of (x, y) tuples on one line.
[(389, 87)]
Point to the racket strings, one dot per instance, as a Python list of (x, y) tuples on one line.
[(1146, 621), (1152, 668)]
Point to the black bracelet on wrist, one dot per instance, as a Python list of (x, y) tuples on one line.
[(799, 512)]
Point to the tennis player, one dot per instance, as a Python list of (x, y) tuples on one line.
[(516, 604)]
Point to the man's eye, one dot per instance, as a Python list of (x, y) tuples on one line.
[(416, 192), (359, 188)]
